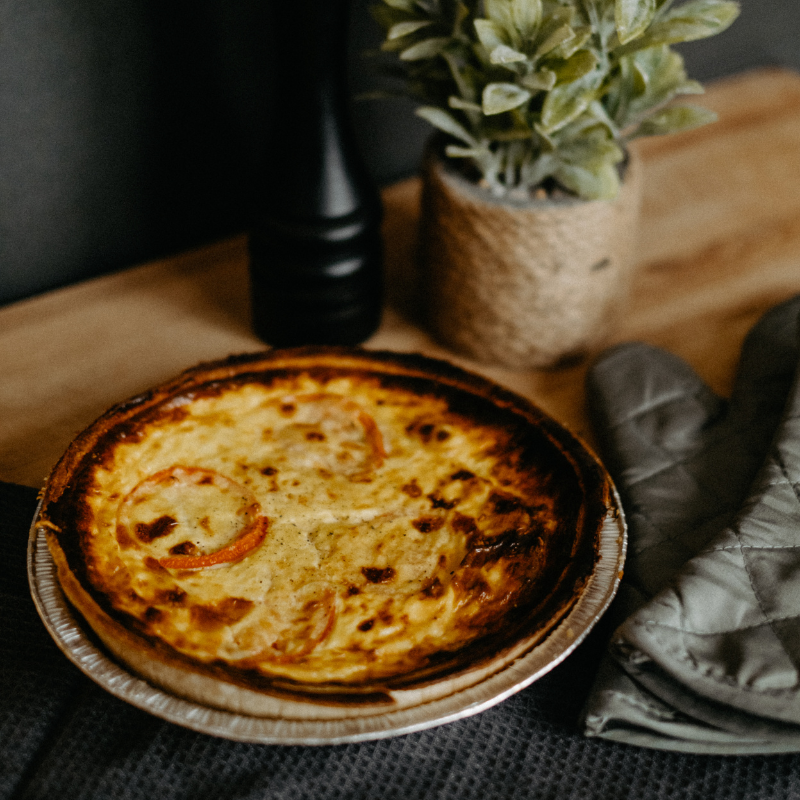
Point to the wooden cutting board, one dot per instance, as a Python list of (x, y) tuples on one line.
[(719, 243)]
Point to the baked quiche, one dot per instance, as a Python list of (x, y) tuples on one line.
[(325, 523)]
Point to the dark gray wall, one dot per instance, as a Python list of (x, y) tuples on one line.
[(130, 129)]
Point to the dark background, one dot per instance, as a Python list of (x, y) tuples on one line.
[(131, 129)]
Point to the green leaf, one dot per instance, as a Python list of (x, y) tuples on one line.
[(588, 157), (599, 15), (543, 80), (598, 183), (545, 139), (587, 141), (696, 19), (577, 42), (427, 48), (500, 97), (461, 15), (512, 134), (503, 54), (393, 45), (385, 16), (463, 105), (537, 170), (454, 151), (574, 68), (560, 35), (674, 119), (654, 77), (554, 18), (690, 87), (596, 113), (526, 15), (463, 77), (567, 101), (401, 29), (490, 35), (499, 12), (445, 122), (632, 18), (401, 5)]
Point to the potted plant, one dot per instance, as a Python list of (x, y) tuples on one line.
[(530, 193)]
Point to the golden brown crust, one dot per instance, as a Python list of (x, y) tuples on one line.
[(322, 520)]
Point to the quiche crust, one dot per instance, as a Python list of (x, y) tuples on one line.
[(325, 525)]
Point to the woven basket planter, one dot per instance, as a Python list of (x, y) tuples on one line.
[(523, 284)]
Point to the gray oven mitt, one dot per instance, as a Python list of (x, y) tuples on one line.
[(707, 658)]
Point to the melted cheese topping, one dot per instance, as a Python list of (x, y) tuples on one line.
[(325, 531)]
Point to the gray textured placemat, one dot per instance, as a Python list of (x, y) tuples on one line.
[(61, 736)]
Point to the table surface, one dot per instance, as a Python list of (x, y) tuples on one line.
[(719, 243)]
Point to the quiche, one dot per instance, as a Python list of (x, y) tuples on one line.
[(327, 525)]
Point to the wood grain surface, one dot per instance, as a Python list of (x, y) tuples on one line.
[(718, 244)]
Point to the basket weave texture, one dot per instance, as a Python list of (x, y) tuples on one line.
[(523, 284)]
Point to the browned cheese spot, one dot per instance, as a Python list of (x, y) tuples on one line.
[(378, 575), (152, 564), (505, 503), (353, 590), (437, 501), (412, 489), (511, 543), (124, 538), (186, 548), (366, 625), (315, 436), (463, 524), (223, 612), (470, 582), (153, 614), (434, 589), (428, 524), (269, 471), (171, 597), (425, 431), (171, 416), (287, 409), (148, 531), (462, 475)]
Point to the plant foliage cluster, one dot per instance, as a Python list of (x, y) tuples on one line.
[(531, 90)]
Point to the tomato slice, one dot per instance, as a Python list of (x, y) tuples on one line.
[(251, 537), (178, 515), (291, 624), (342, 419)]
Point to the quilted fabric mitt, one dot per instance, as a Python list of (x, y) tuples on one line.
[(708, 658)]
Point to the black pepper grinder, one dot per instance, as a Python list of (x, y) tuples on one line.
[(315, 246)]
